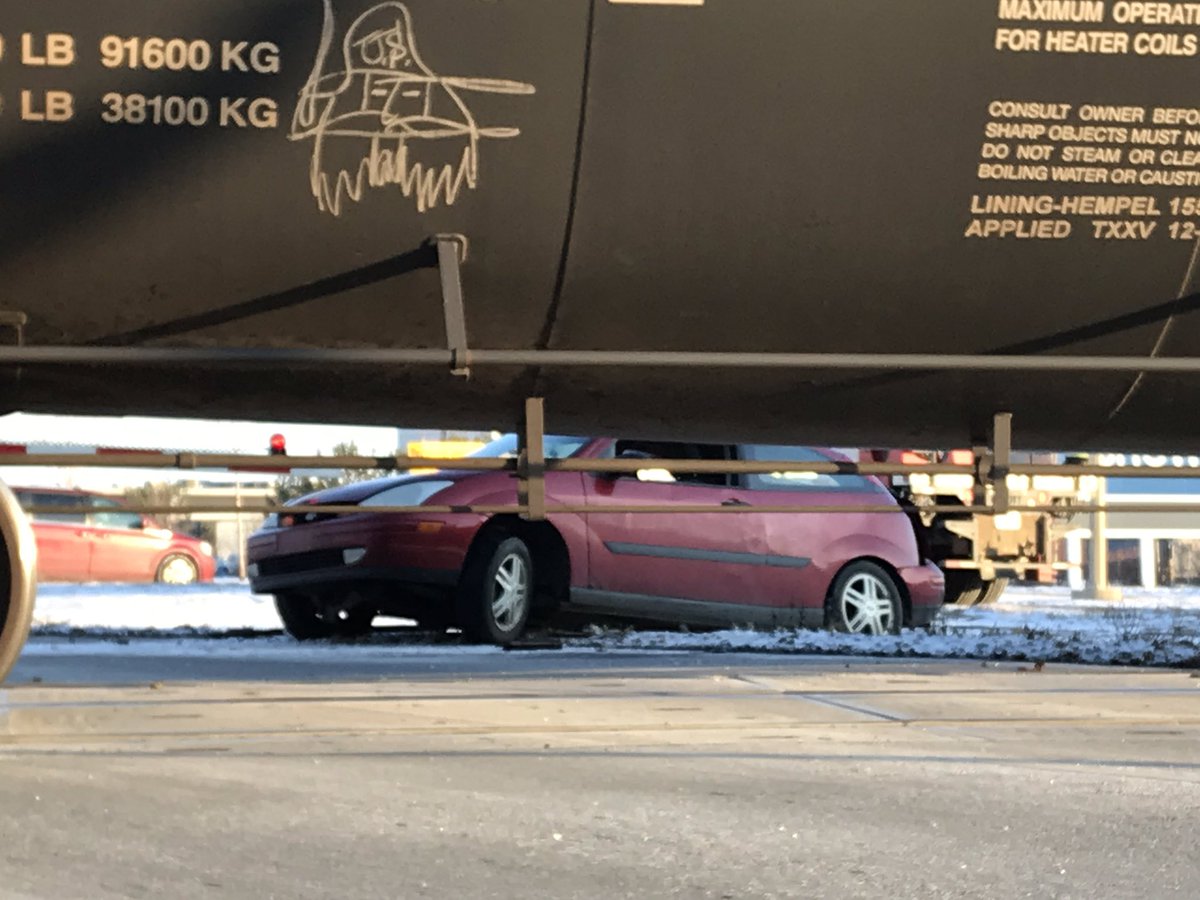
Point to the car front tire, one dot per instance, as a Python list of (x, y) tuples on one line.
[(300, 617), (495, 593), (177, 569), (864, 599)]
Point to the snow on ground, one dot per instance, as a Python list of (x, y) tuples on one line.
[(1160, 627), (226, 605)]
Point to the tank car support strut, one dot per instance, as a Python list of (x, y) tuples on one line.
[(531, 445), (992, 465), (1001, 460), (993, 462), (452, 253), (531, 460)]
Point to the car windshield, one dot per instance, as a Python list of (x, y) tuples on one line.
[(557, 447)]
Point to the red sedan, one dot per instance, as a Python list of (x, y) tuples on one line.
[(109, 543), (490, 576)]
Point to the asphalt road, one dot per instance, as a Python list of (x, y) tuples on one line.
[(564, 775)]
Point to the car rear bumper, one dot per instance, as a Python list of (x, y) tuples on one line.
[(207, 567), (926, 585)]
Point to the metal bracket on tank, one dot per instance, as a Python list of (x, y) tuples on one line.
[(452, 253), (15, 320), (993, 464)]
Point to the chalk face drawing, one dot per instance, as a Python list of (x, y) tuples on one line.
[(379, 117)]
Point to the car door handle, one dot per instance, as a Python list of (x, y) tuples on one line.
[(734, 501)]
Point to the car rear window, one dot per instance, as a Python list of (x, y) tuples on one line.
[(801, 481), (38, 498), (111, 514)]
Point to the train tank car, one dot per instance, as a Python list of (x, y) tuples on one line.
[(715, 176)]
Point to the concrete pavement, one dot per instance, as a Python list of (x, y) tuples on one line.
[(593, 775)]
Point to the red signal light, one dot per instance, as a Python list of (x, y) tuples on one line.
[(278, 445)]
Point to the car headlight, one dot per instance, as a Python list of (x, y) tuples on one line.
[(414, 493), (206, 548)]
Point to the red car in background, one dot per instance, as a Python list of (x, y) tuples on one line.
[(855, 572), (109, 543)]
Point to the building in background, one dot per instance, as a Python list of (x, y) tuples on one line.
[(1145, 549), (443, 448), (228, 531)]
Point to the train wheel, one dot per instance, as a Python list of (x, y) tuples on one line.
[(18, 579), (963, 587), (992, 591)]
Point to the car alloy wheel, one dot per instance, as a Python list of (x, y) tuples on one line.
[(178, 570), (495, 594), (865, 601), (510, 592)]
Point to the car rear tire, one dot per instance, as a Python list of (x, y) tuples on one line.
[(177, 569), (301, 618), (495, 593), (864, 599)]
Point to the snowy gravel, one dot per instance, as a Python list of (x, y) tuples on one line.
[(1159, 627), (226, 605)]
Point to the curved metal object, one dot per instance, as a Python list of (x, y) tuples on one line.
[(18, 567)]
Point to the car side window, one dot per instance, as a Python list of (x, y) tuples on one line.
[(801, 481), (110, 514), (36, 498), (633, 449)]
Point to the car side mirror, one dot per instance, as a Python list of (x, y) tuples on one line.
[(655, 476)]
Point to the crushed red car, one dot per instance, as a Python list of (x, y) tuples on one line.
[(493, 576)]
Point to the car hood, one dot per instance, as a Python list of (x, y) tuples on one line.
[(356, 492)]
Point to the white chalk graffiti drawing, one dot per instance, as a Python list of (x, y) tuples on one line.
[(388, 117)]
